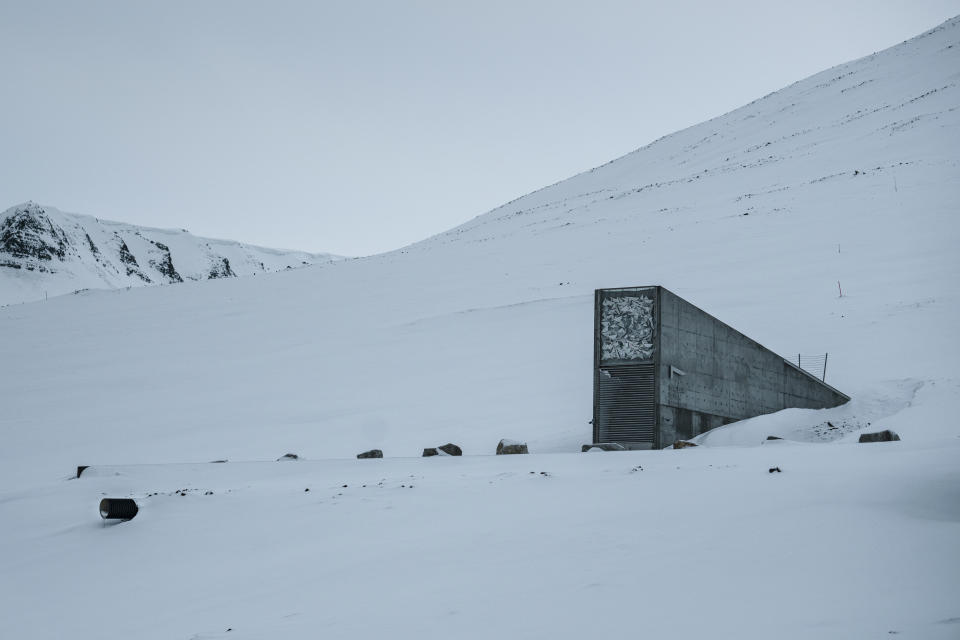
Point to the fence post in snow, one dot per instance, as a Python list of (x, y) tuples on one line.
[(825, 356)]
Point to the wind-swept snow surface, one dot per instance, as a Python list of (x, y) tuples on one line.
[(848, 179), (844, 542)]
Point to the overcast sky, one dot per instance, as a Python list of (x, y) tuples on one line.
[(358, 127)]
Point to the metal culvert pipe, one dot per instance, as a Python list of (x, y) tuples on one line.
[(118, 509)]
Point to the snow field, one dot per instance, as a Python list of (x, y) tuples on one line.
[(689, 543)]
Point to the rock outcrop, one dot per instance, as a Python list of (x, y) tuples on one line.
[(451, 449), (603, 446), (511, 447), (448, 449), (880, 436)]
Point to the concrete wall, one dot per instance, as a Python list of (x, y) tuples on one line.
[(728, 377)]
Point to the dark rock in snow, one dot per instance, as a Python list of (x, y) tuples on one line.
[(118, 509), (221, 269), (130, 262), (508, 447), (881, 436), (288, 456), (93, 248), (448, 449), (774, 470), (774, 438), (683, 444), (603, 446), (165, 264), (125, 256), (29, 233), (451, 449), (373, 453), (81, 468)]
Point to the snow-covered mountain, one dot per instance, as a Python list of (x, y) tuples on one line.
[(848, 180), (45, 252)]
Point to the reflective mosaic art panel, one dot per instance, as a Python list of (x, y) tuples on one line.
[(626, 328)]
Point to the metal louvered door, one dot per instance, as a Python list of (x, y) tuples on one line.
[(626, 410)]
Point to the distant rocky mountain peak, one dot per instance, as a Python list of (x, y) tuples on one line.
[(44, 251), (28, 234)]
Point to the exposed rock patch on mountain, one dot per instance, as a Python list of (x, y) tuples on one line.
[(29, 238)]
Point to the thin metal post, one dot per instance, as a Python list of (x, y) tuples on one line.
[(825, 356)]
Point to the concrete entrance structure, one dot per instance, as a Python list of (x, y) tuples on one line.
[(664, 370)]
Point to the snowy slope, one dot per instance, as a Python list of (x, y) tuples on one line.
[(45, 252), (485, 332)]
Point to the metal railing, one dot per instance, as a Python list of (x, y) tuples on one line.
[(815, 365)]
